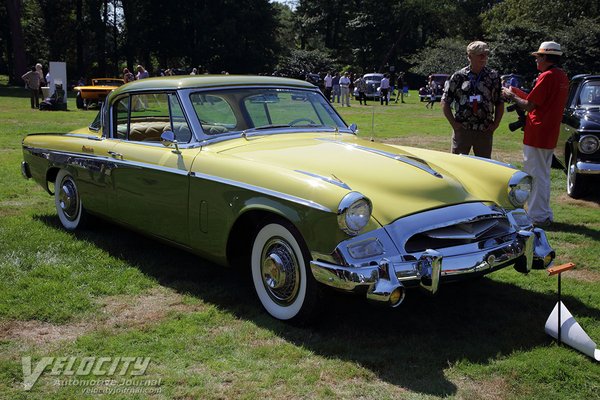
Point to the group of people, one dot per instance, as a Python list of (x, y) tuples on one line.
[(478, 99), (340, 86), (34, 81), (128, 76)]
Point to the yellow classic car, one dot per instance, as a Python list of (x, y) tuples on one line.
[(263, 174), (96, 92)]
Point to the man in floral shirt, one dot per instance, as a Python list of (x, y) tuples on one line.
[(475, 92)]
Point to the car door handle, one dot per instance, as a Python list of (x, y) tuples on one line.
[(115, 154)]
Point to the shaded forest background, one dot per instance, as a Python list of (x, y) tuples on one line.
[(99, 37)]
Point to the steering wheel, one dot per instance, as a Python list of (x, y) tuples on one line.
[(310, 121)]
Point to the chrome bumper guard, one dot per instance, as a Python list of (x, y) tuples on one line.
[(428, 270)]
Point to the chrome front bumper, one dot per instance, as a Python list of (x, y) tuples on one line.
[(379, 278), (587, 168)]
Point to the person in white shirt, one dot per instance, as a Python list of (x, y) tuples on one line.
[(328, 80), (345, 89), (384, 90)]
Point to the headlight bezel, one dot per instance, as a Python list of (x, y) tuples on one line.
[(351, 203), (519, 188), (591, 138)]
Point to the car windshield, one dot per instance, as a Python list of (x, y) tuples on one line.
[(246, 110), (373, 77), (590, 94)]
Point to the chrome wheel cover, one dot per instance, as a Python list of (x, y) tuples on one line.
[(280, 271), (69, 199)]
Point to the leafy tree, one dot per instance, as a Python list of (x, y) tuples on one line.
[(442, 56)]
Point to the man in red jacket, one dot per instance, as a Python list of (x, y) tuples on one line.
[(544, 104)]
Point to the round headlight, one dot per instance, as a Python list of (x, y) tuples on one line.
[(519, 188), (588, 144), (354, 213)]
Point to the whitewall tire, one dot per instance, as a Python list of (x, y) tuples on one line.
[(68, 201), (280, 273)]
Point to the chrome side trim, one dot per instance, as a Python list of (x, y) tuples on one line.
[(258, 189), (415, 162), (587, 168), (333, 181), (71, 158)]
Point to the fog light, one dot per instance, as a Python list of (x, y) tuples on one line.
[(365, 248), (397, 296)]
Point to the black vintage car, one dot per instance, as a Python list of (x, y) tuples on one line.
[(579, 143)]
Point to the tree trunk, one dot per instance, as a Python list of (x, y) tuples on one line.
[(18, 63)]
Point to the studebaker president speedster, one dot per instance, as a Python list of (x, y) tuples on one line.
[(263, 173)]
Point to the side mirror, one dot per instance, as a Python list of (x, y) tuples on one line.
[(167, 138), (354, 128)]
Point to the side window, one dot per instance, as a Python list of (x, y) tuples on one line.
[(214, 112), (122, 118), (144, 117), (179, 124)]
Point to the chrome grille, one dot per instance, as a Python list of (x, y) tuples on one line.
[(488, 230)]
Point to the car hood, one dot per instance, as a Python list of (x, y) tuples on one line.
[(398, 180), (590, 117)]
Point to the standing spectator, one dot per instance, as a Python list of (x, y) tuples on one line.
[(434, 89), (328, 81), (32, 80), (40, 71), (475, 92), (361, 87), (544, 106), (345, 89), (400, 87), (335, 84), (142, 73), (384, 89), (127, 76)]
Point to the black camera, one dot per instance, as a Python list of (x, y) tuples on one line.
[(519, 123)]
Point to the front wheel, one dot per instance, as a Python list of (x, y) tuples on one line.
[(283, 283), (576, 183), (68, 201)]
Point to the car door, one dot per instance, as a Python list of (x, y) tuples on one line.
[(151, 182)]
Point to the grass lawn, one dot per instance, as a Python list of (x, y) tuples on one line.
[(108, 292)]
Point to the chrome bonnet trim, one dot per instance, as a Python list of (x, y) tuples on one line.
[(417, 163), (258, 189), (333, 181)]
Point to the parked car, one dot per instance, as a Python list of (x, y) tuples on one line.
[(425, 91), (373, 83), (88, 95), (579, 143), (262, 173)]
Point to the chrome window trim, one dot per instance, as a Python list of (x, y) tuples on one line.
[(209, 139)]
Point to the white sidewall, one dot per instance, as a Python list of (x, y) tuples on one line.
[(68, 224), (276, 310)]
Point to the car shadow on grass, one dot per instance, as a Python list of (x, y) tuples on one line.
[(410, 346)]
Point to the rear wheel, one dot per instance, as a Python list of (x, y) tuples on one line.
[(68, 201), (280, 273), (577, 184)]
